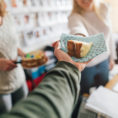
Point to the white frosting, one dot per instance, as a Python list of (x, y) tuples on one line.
[(85, 49)]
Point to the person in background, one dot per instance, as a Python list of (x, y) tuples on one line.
[(12, 78), (90, 17), (56, 95)]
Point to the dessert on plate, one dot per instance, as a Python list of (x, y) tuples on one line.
[(34, 59), (78, 49)]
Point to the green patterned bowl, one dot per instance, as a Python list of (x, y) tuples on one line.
[(97, 48)]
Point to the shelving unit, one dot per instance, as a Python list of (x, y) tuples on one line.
[(39, 22), (37, 9)]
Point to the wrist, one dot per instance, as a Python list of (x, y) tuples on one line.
[(70, 63)]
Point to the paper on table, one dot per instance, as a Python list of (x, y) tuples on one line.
[(103, 101), (115, 88)]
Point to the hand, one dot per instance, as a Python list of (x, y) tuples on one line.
[(21, 53), (7, 65), (62, 56), (80, 34), (111, 64)]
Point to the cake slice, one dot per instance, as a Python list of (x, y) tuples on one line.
[(85, 49), (78, 49), (34, 59), (71, 47)]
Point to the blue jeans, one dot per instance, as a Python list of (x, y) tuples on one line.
[(8, 100), (94, 76)]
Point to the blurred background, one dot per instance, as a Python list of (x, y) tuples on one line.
[(44, 20), (41, 22), (114, 14)]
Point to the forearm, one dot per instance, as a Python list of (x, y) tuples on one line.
[(55, 97)]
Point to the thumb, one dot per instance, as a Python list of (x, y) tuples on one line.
[(56, 45), (13, 61)]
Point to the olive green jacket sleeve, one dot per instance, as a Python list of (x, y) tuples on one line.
[(55, 97)]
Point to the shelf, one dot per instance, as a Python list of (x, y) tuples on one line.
[(40, 43), (24, 10), (51, 24), (55, 18), (53, 9)]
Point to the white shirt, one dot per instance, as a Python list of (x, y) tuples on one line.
[(90, 24), (14, 79)]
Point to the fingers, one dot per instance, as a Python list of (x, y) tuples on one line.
[(88, 61), (56, 45), (62, 56), (11, 65), (80, 34), (9, 68), (111, 65), (14, 61), (85, 62), (81, 66), (21, 53)]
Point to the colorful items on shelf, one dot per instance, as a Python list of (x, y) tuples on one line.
[(31, 56)]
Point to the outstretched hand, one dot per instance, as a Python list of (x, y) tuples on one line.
[(62, 56)]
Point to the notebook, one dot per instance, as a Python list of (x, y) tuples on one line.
[(103, 101)]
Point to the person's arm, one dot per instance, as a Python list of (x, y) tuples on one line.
[(111, 44), (55, 97), (76, 26), (80, 34), (106, 10)]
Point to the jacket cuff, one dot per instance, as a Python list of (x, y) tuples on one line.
[(69, 65)]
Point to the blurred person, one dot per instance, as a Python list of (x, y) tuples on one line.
[(90, 17), (56, 95), (12, 79)]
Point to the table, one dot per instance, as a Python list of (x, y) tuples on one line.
[(112, 82), (84, 113)]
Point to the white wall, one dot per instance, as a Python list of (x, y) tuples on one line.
[(114, 14)]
